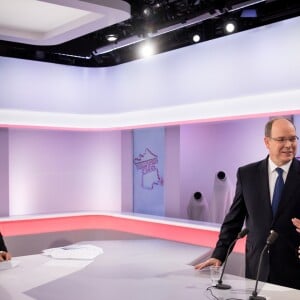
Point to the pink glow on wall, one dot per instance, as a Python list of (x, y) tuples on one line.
[(59, 171), (4, 172), (208, 148)]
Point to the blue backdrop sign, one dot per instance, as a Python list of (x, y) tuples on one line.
[(148, 164)]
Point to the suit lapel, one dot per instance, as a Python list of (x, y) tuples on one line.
[(265, 181), (263, 184)]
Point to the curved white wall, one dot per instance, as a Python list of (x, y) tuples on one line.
[(252, 72)]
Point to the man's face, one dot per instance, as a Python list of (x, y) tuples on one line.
[(282, 144)]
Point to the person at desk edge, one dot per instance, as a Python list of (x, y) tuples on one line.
[(4, 255), (252, 204)]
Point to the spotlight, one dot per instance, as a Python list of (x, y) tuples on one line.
[(146, 49), (230, 26), (111, 37), (196, 38), (147, 12)]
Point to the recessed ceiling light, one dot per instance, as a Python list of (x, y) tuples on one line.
[(111, 37), (196, 38), (146, 49), (230, 27)]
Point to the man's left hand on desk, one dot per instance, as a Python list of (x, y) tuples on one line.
[(4, 256)]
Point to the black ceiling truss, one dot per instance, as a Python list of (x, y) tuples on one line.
[(169, 23)]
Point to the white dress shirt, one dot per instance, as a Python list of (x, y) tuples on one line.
[(273, 174)]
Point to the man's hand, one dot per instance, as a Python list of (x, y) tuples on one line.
[(296, 223), (4, 256), (210, 262)]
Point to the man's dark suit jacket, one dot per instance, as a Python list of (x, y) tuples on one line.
[(252, 204), (2, 244)]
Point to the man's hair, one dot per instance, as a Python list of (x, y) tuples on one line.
[(268, 127)]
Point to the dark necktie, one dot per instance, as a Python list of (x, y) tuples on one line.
[(277, 190)]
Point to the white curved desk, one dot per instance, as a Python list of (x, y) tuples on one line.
[(146, 269)]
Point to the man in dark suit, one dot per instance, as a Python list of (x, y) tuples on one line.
[(252, 204), (4, 255)]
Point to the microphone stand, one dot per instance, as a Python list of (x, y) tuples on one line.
[(220, 285), (271, 239), (254, 293)]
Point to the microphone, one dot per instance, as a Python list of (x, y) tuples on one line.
[(220, 285), (270, 240)]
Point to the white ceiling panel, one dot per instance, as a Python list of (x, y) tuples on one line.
[(50, 22)]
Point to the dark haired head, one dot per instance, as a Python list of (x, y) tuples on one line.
[(268, 127)]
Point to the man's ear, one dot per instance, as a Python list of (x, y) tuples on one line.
[(267, 142)]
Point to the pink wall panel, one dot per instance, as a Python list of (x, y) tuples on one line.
[(58, 171)]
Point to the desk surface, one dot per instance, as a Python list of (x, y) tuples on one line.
[(128, 269)]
